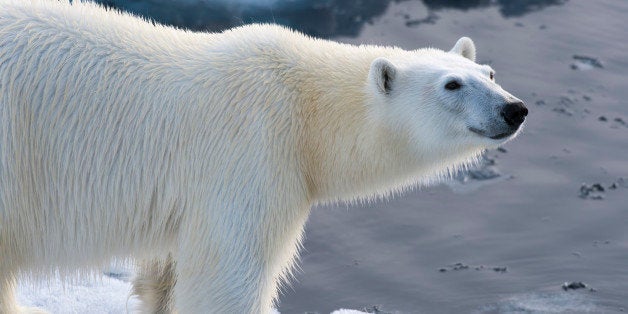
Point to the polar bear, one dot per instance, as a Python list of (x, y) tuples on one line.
[(201, 154)]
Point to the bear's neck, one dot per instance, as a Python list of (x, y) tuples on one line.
[(349, 155)]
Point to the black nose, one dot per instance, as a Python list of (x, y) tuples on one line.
[(514, 113)]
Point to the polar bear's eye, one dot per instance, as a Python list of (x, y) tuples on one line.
[(492, 75), (453, 85)]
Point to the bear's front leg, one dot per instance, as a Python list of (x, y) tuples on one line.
[(221, 268)]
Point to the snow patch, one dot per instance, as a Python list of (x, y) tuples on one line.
[(109, 293), (345, 311), (542, 303), (105, 295)]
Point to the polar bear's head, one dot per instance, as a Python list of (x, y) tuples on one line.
[(444, 99)]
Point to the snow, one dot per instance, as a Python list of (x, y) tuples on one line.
[(543, 303), (109, 293), (104, 295)]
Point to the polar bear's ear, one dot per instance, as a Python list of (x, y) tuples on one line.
[(383, 73), (465, 47)]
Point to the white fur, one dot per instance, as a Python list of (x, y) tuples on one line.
[(203, 153)]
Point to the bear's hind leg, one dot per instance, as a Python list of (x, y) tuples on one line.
[(7, 295), (154, 284), (8, 304)]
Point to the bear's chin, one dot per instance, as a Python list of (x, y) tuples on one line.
[(498, 137)]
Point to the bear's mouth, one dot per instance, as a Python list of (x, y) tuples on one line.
[(494, 137)]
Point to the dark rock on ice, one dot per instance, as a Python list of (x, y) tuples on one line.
[(460, 266), (585, 63), (500, 269), (574, 285), (593, 192)]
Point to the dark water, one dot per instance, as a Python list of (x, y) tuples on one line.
[(434, 250), (322, 18)]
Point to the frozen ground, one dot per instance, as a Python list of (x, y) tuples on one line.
[(109, 294), (106, 294), (549, 208)]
